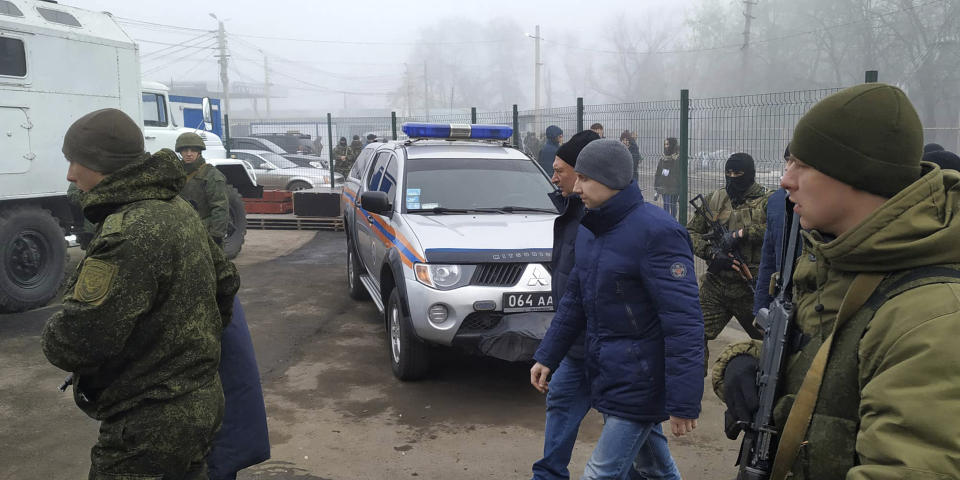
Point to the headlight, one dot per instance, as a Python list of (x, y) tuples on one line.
[(443, 277)]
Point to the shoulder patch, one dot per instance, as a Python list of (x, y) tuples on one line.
[(678, 270), (112, 224), (94, 281)]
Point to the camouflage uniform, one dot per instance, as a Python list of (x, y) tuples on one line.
[(206, 190), (141, 323), (343, 166), (726, 294)]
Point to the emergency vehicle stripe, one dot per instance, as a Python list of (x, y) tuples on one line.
[(387, 234)]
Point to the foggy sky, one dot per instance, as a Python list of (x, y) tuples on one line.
[(375, 68)]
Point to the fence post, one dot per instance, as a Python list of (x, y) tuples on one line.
[(579, 115), (871, 76), (516, 126), (473, 115), (393, 124), (684, 146), (226, 133), (333, 161)]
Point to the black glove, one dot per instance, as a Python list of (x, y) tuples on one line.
[(720, 264), (740, 392)]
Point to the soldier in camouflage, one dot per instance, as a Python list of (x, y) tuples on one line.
[(142, 317), (741, 206), (343, 157), (206, 187)]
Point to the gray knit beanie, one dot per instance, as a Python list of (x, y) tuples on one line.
[(607, 161)]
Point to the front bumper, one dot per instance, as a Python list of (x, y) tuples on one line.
[(508, 336)]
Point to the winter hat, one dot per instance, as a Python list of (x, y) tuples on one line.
[(554, 131), (607, 161), (868, 136), (569, 151), (943, 158), (932, 147), (104, 141), (740, 162)]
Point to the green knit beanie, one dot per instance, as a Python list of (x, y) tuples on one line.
[(104, 141), (868, 136)]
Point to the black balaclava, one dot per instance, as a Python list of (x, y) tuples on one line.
[(737, 186), (671, 147), (343, 140)]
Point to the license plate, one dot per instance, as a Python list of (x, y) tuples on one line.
[(527, 302)]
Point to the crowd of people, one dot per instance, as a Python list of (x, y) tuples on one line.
[(155, 336)]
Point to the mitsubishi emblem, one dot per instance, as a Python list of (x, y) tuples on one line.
[(539, 277)]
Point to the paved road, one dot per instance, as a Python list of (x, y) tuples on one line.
[(335, 410)]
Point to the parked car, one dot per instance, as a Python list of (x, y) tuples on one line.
[(253, 143), (277, 173), (307, 160), (293, 142), (450, 235)]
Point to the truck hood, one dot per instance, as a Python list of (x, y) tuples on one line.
[(479, 233)]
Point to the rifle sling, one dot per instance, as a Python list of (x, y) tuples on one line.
[(795, 429), (204, 168)]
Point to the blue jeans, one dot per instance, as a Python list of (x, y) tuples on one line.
[(568, 401), (624, 443), (671, 203)]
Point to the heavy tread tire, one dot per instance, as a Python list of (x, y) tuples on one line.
[(32, 231), (237, 228), (298, 185), (356, 289), (412, 360)]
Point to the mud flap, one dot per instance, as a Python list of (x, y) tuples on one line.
[(517, 337)]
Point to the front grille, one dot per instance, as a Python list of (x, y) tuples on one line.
[(548, 267), (498, 274), (480, 321)]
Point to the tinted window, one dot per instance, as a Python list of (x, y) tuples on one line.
[(13, 58), (7, 8), (377, 169), (476, 183), (56, 16), (154, 110), (360, 165), (389, 182), (254, 160)]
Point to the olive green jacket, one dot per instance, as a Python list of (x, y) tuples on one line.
[(142, 316), (908, 360), (343, 166), (206, 190), (751, 216)]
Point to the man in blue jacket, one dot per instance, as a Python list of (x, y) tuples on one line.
[(568, 398), (549, 151), (633, 291), (772, 245)]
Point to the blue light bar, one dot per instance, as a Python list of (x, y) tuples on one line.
[(457, 130)]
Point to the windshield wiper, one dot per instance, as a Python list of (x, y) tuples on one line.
[(437, 210), (511, 209)]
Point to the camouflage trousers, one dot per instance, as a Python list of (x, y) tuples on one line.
[(723, 297), (167, 440)]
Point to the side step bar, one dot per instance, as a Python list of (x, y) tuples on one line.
[(372, 290)]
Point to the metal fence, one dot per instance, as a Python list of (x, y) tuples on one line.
[(760, 125)]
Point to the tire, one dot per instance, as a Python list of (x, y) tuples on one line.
[(237, 226), (297, 185), (409, 356), (354, 287), (33, 256)]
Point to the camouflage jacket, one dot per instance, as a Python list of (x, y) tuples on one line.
[(142, 316), (751, 216), (206, 190), (343, 166)]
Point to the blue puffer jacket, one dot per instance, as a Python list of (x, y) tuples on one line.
[(547, 155), (634, 290), (772, 246), (565, 228)]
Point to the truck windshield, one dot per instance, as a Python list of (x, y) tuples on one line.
[(434, 185), (154, 110)]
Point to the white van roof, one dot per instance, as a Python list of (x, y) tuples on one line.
[(33, 16)]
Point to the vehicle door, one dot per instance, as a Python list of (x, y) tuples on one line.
[(352, 187), (262, 169), (369, 232), (388, 185)]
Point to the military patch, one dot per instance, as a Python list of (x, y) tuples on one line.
[(112, 224), (678, 270), (94, 281)]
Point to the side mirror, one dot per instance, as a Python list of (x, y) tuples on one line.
[(376, 202), (207, 115)]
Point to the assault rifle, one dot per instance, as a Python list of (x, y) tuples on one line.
[(722, 243), (759, 439)]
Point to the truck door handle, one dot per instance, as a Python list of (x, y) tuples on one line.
[(370, 218), (149, 137)]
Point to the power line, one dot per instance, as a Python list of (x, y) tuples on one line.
[(144, 23), (168, 63), (351, 42), (327, 89), (173, 46)]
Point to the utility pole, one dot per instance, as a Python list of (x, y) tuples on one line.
[(406, 76), (748, 17), (266, 83), (536, 76), (426, 93), (224, 78)]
